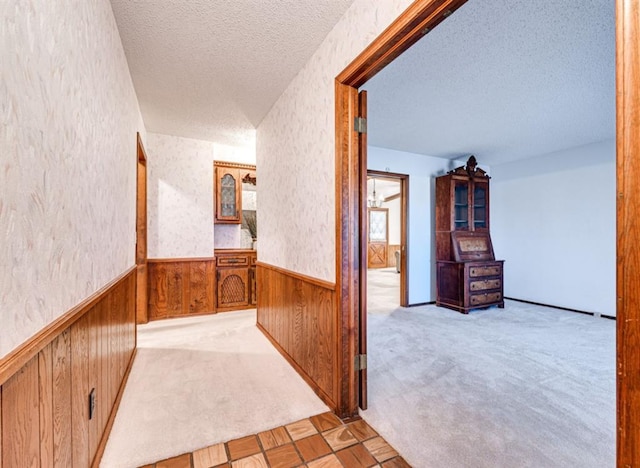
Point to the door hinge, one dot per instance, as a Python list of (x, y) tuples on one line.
[(361, 362), (360, 124)]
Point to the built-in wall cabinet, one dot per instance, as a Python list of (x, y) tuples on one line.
[(229, 179)]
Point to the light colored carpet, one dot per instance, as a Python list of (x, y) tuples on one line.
[(202, 380), (524, 386)]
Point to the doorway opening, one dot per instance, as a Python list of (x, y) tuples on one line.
[(421, 17), (386, 248)]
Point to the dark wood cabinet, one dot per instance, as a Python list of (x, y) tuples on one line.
[(235, 279), (467, 274)]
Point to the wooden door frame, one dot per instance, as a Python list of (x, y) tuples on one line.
[(418, 19), (421, 17), (403, 180), (142, 315)]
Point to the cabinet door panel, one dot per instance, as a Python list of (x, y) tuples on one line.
[(228, 191), (233, 287)]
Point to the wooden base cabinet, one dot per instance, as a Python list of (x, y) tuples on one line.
[(235, 279), (464, 286)]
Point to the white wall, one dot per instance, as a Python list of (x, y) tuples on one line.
[(296, 149), (420, 235), (395, 220), (68, 122), (553, 219), (180, 196)]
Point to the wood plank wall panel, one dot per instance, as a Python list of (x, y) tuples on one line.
[(299, 316), (61, 383), (180, 287), (45, 374), (21, 418), (44, 409), (80, 391), (391, 254)]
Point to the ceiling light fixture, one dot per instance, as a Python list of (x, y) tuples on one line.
[(374, 201)]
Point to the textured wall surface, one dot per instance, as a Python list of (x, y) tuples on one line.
[(180, 195), (68, 122), (296, 149)]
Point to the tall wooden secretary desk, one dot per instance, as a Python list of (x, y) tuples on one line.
[(467, 274)]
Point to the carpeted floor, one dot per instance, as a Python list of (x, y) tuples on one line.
[(203, 380), (523, 386)]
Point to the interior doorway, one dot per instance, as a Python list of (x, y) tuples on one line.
[(386, 248), (141, 233), (421, 17)]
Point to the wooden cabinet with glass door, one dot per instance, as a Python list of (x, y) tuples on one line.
[(228, 179), (467, 274)]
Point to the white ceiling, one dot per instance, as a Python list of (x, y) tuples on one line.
[(501, 79), (212, 69)]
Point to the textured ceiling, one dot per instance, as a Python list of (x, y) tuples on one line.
[(501, 79), (211, 69)]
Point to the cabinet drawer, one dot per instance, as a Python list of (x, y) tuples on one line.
[(481, 285), (492, 270), (487, 298), (239, 260)]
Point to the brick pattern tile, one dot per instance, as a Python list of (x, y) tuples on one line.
[(322, 441)]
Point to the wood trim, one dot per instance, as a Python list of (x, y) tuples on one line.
[(301, 318), (403, 179), (307, 279), (20, 356), (348, 175), (628, 230), (250, 167), (326, 398), (142, 154), (421, 17), (417, 20), (180, 260), (141, 232), (112, 415)]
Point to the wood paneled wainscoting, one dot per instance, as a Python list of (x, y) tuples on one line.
[(298, 315), (180, 287), (46, 384)]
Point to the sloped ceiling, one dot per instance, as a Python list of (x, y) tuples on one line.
[(501, 79), (212, 69)]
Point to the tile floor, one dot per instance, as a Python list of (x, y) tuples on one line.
[(322, 441)]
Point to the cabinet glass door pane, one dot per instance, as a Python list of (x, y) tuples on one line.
[(461, 206), (479, 207), (228, 196)]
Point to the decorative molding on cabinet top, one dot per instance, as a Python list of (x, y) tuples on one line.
[(20, 356), (174, 260)]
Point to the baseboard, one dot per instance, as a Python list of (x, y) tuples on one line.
[(584, 312), (112, 415), (421, 304)]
